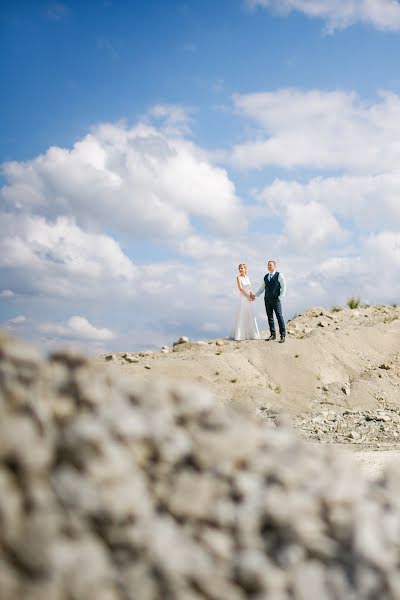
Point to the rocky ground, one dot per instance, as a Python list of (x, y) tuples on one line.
[(337, 378), (371, 429), (114, 488)]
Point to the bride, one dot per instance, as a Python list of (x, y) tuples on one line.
[(245, 327)]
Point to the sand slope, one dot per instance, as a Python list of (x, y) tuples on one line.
[(346, 359)]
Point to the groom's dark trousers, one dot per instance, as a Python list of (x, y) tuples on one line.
[(273, 304)]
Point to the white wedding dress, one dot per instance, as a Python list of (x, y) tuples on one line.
[(245, 327)]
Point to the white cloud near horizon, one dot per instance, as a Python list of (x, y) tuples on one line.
[(339, 14), (321, 130), (77, 327), (17, 320)]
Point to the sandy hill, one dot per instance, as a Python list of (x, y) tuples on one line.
[(335, 363)]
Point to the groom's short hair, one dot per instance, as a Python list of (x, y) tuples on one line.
[(272, 262)]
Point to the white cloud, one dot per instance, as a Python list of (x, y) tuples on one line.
[(320, 130), (339, 14), (383, 251), (336, 234), (201, 247), (310, 226), (17, 320), (371, 202), (173, 119), (6, 294), (140, 180), (77, 328), (144, 184), (372, 273), (57, 258)]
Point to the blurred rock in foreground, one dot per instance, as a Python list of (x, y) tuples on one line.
[(110, 491)]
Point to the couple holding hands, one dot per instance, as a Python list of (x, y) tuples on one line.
[(274, 288)]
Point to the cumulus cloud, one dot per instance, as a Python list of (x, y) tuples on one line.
[(339, 14), (17, 320), (58, 258), (201, 247), (320, 130), (6, 294), (137, 180), (370, 202), (377, 254), (173, 119), (77, 328), (332, 231), (311, 225), (72, 219)]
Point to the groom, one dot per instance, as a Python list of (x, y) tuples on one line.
[(275, 288)]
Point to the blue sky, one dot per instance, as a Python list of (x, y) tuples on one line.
[(148, 147)]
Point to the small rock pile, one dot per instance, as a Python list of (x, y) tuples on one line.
[(119, 491), (368, 427)]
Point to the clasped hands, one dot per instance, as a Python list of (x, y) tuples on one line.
[(252, 297)]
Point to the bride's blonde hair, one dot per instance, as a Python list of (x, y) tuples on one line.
[(243, 265)]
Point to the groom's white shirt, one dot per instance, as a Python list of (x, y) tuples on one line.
[(281, 280)]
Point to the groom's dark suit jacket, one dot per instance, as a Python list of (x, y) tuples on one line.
[(272, 287)]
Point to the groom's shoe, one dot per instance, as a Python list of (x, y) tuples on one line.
[(271, 338), (282, 340)]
